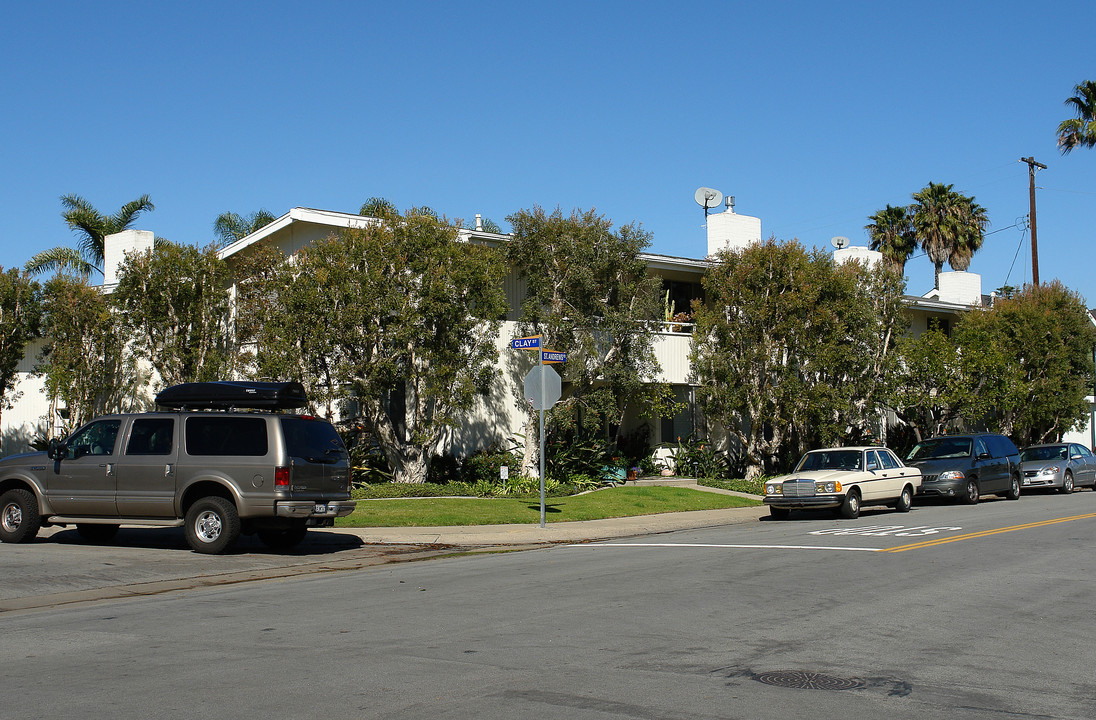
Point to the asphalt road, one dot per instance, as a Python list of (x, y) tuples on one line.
[(945, 612)]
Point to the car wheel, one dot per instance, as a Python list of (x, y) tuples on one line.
[(97, 533), (1067, 483), (212, 525), (1013, 489), (283, 539), (972, 492), (19, 519), (850, 509), (905, 500)]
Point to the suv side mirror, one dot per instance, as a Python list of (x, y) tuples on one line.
[(984, 456), (57, 450)]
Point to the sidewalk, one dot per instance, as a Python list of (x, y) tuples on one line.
[(566, 532)]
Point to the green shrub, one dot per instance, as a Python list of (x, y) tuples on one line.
[(405, 490), (484, 465), (699, 458)]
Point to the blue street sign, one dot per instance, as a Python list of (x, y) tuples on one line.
[(526, 343), (552, 356)]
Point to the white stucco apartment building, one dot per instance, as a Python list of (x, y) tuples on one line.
[(499, 416)]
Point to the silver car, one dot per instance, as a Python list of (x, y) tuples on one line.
[(1058, 465)]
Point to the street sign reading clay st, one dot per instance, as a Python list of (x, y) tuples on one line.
[(526, 343)]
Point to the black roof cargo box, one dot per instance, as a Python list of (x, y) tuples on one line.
[(227, 395)]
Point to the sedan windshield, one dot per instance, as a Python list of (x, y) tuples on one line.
[(1046, 452), (831, 460), (941, 448)]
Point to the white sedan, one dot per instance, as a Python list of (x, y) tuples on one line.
[(844, 479)]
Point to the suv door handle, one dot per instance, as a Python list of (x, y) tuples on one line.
[(169, 469), (110, 469)]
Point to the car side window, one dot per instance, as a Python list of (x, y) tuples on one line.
[(214, 435), (95, 438), (980, 447), (1086, 453), (889, 461), (151, 436), (871, 460)]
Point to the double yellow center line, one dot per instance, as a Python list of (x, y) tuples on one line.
[(986, 533)]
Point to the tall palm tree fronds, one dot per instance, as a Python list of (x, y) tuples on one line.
[(949, 225), (972, 232), (1081, 130), (91, 228), (891, 233), (230, 227)]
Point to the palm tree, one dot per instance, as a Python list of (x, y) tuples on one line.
[(934, 221), (891, 233), (950, 226), (1081, 130), (972, 232), (92, 228), (230, 227)]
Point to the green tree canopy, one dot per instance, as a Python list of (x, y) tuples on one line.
[(399, 318), (173, 302), (792, 350), (1037, 349), (588, 293), (91, 228), (20, 316), (1079, 131), (85, 364)]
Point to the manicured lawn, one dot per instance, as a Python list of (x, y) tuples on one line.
[(612, 502)]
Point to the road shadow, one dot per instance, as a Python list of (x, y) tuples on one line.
[(315, 543)]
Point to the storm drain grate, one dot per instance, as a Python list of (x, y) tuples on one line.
[(805, 680)]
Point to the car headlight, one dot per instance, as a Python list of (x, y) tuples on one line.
[(1052, 470), (952, 475), (774, 490), (827, 487)]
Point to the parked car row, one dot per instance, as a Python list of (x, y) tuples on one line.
[(959, 467)]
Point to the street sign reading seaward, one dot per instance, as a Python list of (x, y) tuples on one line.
[(552, 386)]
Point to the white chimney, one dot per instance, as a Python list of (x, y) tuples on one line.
[(117, 245), (479, 222), (730, 231)]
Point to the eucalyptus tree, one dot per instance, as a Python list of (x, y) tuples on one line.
[(84, 361), (589, 294), (173, 301), (230, 227), (1079, 131), (91, 227), (891, 233), (792, 349), (398, 317)]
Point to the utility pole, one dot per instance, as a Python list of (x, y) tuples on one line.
[(1031, 216)]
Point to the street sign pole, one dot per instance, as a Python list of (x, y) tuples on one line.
[(542, 403)]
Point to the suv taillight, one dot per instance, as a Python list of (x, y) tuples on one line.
[(281, 478)]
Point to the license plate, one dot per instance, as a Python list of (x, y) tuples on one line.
[(320, 509)]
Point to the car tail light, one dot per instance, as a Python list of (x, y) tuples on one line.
[(281, 478)]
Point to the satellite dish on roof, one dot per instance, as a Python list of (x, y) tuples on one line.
[(840, 242), (707, 198)]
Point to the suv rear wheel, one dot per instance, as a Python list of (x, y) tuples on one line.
[(19, 519), (212, 525)]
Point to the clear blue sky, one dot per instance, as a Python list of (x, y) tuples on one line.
[(813, 115)]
